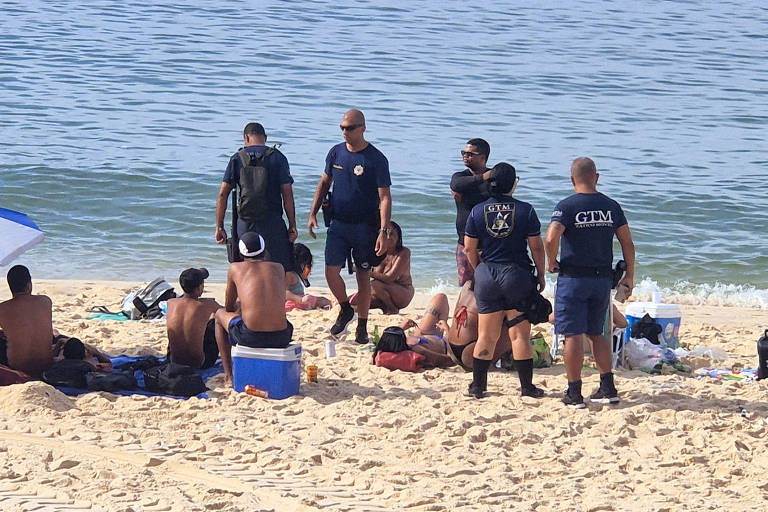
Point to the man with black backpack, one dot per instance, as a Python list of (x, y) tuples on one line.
[(264, 185)]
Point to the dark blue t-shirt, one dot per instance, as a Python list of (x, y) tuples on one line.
[(590, 221), (279, 175), (357, 178), (502, 228)]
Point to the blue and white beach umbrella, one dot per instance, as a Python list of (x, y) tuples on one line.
[(17, 234)]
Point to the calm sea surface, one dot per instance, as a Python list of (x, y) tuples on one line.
[(118, 119)]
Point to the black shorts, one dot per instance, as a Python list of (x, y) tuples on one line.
[(210, 348), (239, 334), (275, 235), (501, 287)]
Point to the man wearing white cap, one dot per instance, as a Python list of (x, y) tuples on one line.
[(260, 321)]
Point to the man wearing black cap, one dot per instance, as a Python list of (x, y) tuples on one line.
[(260, 322), (505, 280), (278, 192), (190, 323)]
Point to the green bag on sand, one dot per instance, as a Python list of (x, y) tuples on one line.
[(541, 355), (542, 358)]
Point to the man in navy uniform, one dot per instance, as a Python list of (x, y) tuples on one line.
[(586, 222), (362, 206)]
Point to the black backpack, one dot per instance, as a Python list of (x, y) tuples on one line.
[(174, 379), (110, 381), (69, 373), (252, 203)]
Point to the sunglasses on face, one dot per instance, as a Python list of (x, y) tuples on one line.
[(349, 127), (469, 153)]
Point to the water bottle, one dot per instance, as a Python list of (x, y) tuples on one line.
[(762, 356)]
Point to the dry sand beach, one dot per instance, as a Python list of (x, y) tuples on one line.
[(365, 438)]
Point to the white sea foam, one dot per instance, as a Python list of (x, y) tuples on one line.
[(682, 292)]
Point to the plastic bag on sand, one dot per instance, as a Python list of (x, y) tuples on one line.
[(709, 352), (641, 353)]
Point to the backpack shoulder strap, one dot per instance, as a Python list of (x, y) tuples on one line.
[(245, 158)]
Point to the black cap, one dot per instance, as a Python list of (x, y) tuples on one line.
[(191, 278), (251, 244), (503, 176)]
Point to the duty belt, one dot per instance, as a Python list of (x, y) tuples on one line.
[(578, 271)]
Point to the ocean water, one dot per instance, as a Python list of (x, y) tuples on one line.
[(118, 119)]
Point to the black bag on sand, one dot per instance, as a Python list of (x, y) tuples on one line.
[(68, 373), (110, 381), (646, 328), (536, 310), (174, 379), (762, 356)]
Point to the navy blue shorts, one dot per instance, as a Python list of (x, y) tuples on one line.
[(239, 334), (344, 237), (502, 287), (275, 234), (581, 304)]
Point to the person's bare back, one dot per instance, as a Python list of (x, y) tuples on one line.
[(260, 287), (27, 322), (186, 321)]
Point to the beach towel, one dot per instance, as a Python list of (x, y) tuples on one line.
[(121, 360)]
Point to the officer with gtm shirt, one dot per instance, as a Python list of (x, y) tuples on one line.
[(586, 222)]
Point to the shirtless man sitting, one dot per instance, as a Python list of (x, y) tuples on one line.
[(260, 321), (461, 334), (27, 323), (190, 323)]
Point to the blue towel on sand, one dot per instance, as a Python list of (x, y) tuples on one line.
[(139, 376)]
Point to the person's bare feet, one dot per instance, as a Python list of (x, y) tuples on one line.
[(228, 381)]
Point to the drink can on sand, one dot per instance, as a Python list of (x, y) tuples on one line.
[(330, 348), (254, 391), (311, 373)]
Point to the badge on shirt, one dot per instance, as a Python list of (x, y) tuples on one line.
[(358, 170), (500, 219)]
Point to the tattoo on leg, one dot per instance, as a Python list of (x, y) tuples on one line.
[(432, 311), (485, 353)]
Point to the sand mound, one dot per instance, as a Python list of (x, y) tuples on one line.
[(33, 397)]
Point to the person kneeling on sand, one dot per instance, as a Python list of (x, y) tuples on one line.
[(260, 321), (27, 323), (190, 323)]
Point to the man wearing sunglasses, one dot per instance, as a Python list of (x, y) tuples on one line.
[(361, 204), (469, 188)]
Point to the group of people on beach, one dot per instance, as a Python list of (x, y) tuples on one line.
[(501, 261)]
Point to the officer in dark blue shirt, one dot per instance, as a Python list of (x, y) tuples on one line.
[(361, 205), (503, 228), (586, 222), (279, 195)]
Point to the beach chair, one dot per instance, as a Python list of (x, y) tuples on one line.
[(617, 344)]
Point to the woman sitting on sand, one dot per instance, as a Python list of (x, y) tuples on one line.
[(296, 281), (391, 286)]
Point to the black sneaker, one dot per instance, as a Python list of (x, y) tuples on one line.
[(532, 392), (574, 402), (361, 337), (475, 391), (601, 396), (345, 316)]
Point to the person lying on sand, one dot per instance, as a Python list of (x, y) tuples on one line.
[(74, 348), (295, 281), (27, 323), (190, 323), (461, 334)]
